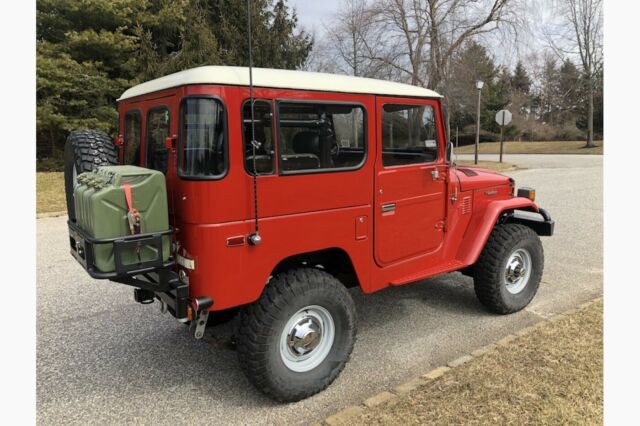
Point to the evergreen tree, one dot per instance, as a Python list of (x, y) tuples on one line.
[(471, 64), (90, 51), (520, 80), (569, 92)]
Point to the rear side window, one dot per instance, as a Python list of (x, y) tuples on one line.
[(203, 146), (157, 132), (317, 136), (408, 135), (265, 151), (132, 138)]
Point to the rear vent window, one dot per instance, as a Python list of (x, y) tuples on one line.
[(132, 138), (203, 144)]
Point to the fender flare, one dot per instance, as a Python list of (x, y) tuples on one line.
[(482, 224)]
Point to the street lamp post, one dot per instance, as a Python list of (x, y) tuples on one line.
[(479, 86)]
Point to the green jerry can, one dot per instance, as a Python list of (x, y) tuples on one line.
[(102, 211)]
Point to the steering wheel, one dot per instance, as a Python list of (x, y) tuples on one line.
[(335, 149)]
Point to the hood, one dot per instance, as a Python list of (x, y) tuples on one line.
[(476, 177)]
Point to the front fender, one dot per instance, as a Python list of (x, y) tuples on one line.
[(482, 224)]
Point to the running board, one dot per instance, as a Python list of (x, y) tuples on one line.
[(450, 266)]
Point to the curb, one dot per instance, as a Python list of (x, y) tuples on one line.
[(345, 415), (51, 214)]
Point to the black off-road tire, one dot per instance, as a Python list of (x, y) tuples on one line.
[(262, 323), (489, 270), (85, 150)]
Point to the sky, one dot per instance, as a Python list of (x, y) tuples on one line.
[(313, 13)]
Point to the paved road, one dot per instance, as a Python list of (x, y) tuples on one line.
[(102, 358)]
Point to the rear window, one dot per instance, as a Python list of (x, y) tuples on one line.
[(132, 138), (262, 158), (203, 146), (157, 132)]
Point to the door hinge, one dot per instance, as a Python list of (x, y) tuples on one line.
[(441, 225)]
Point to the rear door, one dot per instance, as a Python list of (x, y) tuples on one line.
[(410, 180)]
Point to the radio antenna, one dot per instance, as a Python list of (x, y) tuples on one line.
[(254, 237)]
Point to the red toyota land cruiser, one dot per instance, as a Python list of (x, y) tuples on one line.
[(277, 206)]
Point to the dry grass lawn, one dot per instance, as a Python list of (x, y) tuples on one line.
[(552, 375), (50, 192), (559, 147)]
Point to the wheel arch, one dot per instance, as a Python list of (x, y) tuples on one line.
[(334, 260), (483, 222)]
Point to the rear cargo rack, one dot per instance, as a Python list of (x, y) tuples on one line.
[(82, 248)]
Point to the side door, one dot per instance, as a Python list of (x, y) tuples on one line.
[(410, 180)]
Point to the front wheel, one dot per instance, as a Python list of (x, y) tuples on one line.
[(509, 270), (295, 340)]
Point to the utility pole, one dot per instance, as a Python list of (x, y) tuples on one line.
[(479, 86)]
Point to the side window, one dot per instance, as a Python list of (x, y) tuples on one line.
[(316, 136), (132, 138), (408, 135), (264, 153), (203, 146), (157, 132)]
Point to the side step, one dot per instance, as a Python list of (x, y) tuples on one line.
[(450, 266)]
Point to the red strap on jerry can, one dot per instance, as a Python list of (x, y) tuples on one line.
[(133, 217)]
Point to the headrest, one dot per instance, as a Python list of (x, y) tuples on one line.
[(306, 142)]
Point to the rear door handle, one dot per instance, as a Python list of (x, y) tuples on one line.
[(388, 207)]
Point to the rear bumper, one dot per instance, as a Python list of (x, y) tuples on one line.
[(155, 277), (543, 226)]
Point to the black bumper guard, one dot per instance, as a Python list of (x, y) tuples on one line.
[(544, 227), (153, 277)]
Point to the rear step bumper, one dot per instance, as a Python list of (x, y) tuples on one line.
[(153, 277)]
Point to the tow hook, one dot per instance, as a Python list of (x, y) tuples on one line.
[(143, 296), (200, 307)]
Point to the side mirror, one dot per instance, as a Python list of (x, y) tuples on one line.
[(170, 142), (449, 153)]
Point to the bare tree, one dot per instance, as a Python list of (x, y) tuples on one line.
[(582, 38), (421, 36), (350, 33)]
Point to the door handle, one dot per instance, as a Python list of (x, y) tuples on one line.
[(388, 207), (435, 174)]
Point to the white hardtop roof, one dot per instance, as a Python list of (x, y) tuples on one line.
[(281, 79)]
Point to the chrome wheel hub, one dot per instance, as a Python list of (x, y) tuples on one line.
[(517, 271), (307, 338), (304, 336)]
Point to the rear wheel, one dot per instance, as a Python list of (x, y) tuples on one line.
[(296, 339), (508, 272), (85, 151)]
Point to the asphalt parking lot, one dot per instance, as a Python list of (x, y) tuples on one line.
[(102, 358)]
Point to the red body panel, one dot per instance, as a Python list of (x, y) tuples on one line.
[(428, 233)]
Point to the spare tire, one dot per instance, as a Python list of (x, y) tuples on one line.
[(85, 151)]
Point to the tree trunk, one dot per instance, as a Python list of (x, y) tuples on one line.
[(54, 153), (590, 115)]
